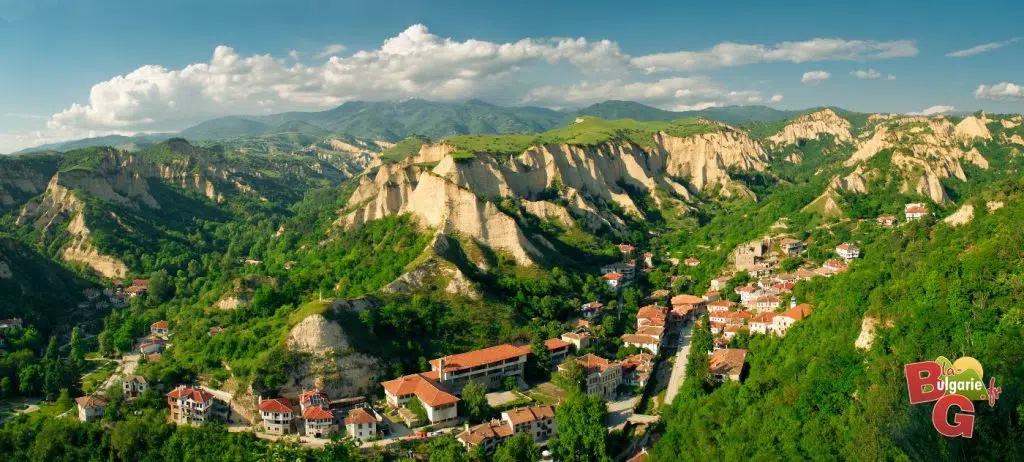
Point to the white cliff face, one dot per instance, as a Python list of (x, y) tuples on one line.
[(814, 126), (926, 150), (457, 195)]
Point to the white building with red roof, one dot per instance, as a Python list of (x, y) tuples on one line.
[(91, 407), (360, 424), (848, 251), (719, 306), (191, 405), (786, 319), (603, 376), (318, 422), (915, 211), (160, 328), (728, 364), (488, 367), (580, 340), (439, 403), (314, 398), (536, 421), (762, 323), (277, 416), (614, 279)]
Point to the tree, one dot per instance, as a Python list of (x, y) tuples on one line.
[(161, 286), (51, 349), (571, 377), (6, 389), (519, 448), (448, 449), (538, 363), (64, 402), (581, 432), (106, 344), (474, 401), (77, 355)]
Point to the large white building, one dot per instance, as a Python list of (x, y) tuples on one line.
[(489, 367), (603, 377), (536, 421), (439, 403), (277, 416), (361, 425), (192, 406)]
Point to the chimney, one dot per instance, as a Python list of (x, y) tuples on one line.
[(792, 302), (440, 368)]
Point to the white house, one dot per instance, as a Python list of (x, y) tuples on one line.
[(915, 211), (783, 321), (91, 408), (134, 386), (319, 422), (360, 424), (277, 416), (848, 251), (439, 404)]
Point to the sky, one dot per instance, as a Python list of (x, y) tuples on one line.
[(79, 68)]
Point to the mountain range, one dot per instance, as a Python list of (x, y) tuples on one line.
[(393, 121)]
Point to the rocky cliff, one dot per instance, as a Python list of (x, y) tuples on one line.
[(814, 126), (451, 194)]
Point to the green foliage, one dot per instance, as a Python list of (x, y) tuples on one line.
[(571, 377), (519, 448), (403, 149), (581, 433), (416, 407), (474, 403)]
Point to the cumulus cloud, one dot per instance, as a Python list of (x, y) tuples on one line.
[(1000, 91), (728, 54), (871, 74), (676, 93), (933, 110), (983, 48), (776, 98), (815, 77), (330, 50)]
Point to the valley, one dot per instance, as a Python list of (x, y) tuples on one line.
[(730, 283)]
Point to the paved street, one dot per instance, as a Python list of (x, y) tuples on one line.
[(620, 411), (679, 368)]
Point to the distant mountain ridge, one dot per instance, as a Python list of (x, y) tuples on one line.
[(393, 121)]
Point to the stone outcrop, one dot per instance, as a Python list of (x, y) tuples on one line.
[(329, 362), (962, 216), (814, 126), (456, 195)]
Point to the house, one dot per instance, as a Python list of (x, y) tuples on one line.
[(791, 247), (439, 403), (134, 386), (649, 259), (154, 346), (768, 303), (887, 221), (848, 251), (154, 357), (637, 369), (720, 283), (536, 421), (684, 303), (660, 295), (314, 398), (138, 287), (626, 249), (760, 270), (558, 350), (835, 266), (488, 367), (603, 376), (626, 269), (783, 287), (651, 315), (747, 293), (12, 323), (591, 310), (719, 306), (614, 280), (579, 340), (786, 319), (91, 408), (730, 318), (643, 341), (691, 262), (915, 211), (215, 330), (748, 254), (711, 296), (319, 421), (160, 328), (277, 416), (731, 330), (193, 406), (361, 425), (762, 323), (727, 364)]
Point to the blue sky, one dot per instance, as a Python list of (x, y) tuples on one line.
[(75, 68)]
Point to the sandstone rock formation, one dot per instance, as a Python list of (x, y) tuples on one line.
[(814, 126), (962, 216)]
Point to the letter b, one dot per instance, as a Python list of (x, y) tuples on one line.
[(921, 375)]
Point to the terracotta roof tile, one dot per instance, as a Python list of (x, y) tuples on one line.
[(275, 405), (317, 413), (358, 416), (475, 358), (424, 386)]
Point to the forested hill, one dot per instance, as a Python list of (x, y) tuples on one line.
[(941, 290)]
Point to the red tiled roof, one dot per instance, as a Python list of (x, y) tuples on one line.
[(591, 362), (651, 330), (576, 336), (160, 325), (650, 312), (626, 248), (318, 413), (195, 394), (556, 343), (471, 359), (359, 416), (91, 401), (847, 246), (424, 386), (764, 318), (640, 339), (529, 414), (306, 397), (769, 299), (275, 405), (612, 276), (728, 360), (746, 288), (721, 304), (686, 299), (799, 312), (485, 431), (916, 210)]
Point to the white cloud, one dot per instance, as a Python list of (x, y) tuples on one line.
[(983, 48), (676, 93), (815, 77), (776, 98), (728, 54), (871, 74), (1000, 91), (933, 110), (330, 50)]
